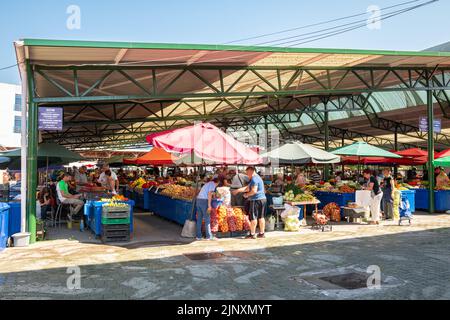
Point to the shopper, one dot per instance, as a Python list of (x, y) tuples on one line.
[(65, 197), (110, 183), (376, 194), (239, 181), (45, 202), (255, 193), (388, 194), (203, 206)]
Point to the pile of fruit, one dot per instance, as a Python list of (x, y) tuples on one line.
[(332, 211), (178, 192), (119, 197), (301, 197), (346, 189), (225, 219), (327, 187), (222, 218), (310, 188), (114, 203), (138, 183), (150, 184)]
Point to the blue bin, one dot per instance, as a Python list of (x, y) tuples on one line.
[(146, 200), (4, 221), (421, 199), (442, 200), (411, 196), (14, 218)]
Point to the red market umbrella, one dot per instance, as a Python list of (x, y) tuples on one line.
[(412, 153), (207, 142), (442, 154), (156, 157), (129, 161), (385, 161)]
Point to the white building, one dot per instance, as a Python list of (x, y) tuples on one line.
[(10, 115)]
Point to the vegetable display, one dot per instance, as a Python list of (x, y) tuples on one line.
[(332, 211)]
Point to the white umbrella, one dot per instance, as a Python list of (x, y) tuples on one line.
[(299, 153)]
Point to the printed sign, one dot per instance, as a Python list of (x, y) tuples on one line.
[(50, 118)]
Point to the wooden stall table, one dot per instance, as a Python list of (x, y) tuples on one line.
[(304, 204)]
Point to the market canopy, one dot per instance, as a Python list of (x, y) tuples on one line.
[(412, 153), (48, 154), (362, 149), (156, 157), (442, 162), (299, 153), (4, 159), (207, 142), (115, 93)]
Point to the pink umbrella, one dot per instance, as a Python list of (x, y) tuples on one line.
[(207, 142)]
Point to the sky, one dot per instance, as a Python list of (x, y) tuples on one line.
[(213, 22)]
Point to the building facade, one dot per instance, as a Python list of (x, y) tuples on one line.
[(10, 115)]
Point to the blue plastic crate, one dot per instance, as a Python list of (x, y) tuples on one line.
[(93, 211), (4, 221), (14, 218), (146, 199)]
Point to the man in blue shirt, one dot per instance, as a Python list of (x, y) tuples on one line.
[(203, 206), (256, 196)]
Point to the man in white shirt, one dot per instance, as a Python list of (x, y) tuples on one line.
[(103, 179), (81, 177)]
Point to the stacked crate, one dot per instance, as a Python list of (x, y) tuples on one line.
[(116, 224)]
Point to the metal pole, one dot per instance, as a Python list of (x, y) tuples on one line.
[(31, 157), (23, 149), (327, 142), (396, 149), (430, 150)]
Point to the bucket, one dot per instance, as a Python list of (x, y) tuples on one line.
[(21, 239), (270, 224)]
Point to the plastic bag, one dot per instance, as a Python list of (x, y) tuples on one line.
[(189, 229), (290, 211), (292, 223)]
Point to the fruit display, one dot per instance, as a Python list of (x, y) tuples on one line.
[(346, 189), (115, 204), (327, 187), (301, 197), (240, 218), (214, 220), (231, 220), (310, 187), (332, 211), (292, 188), (137, 183), (178, 192), (222, 217), (150, 184), (119, 197)]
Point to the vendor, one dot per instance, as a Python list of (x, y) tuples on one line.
[(81, 177), (300, 179), (104, 180), (110, 182), (65, 197), (376, 195), (315, 176), (278, 184), (442, 179)]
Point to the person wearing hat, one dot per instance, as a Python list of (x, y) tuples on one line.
[(255, 194)]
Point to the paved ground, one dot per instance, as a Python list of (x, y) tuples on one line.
[(414, 263)]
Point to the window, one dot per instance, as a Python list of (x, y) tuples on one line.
[(17, 124), (18, 103)]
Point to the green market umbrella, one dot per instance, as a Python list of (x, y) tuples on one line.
[(362, 149), (442, 162), (48, 154)]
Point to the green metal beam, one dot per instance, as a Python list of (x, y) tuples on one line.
[(430, 151)]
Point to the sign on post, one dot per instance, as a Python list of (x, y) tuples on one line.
[(423, 124), (437, 125), (50, 118)]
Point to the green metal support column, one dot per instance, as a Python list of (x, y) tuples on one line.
[(396, 149), (327, 141), (31, 157), (430, 150)]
